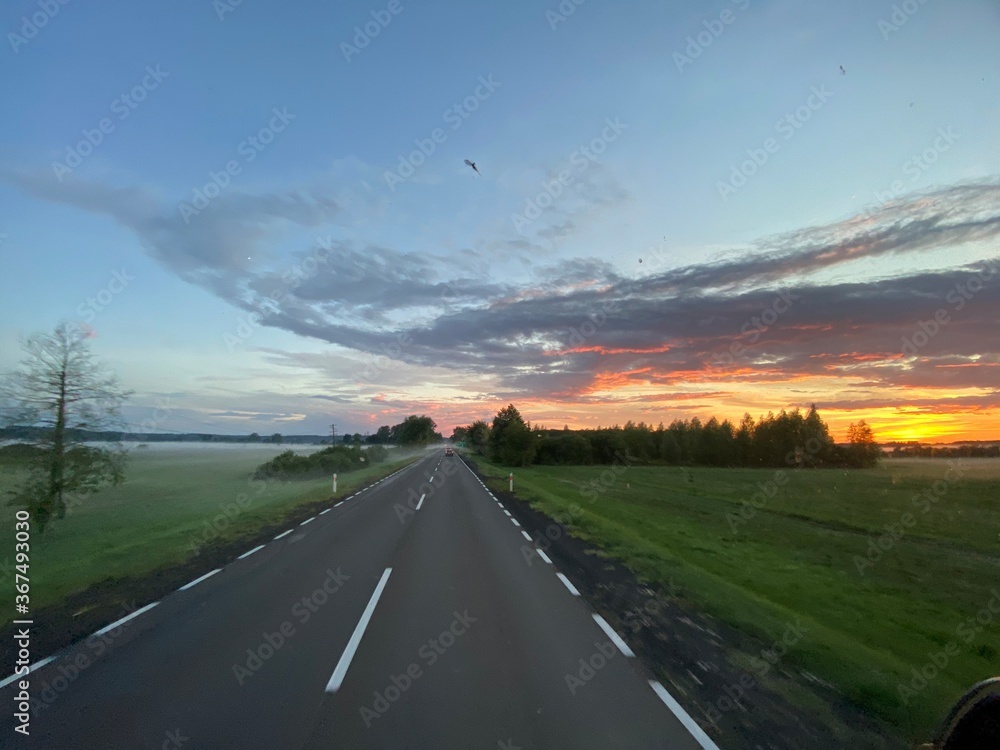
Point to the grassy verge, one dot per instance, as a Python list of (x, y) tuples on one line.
[(796, 557), (173, 501)]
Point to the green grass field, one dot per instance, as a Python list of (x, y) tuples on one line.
[(795, 557), (151, 520)]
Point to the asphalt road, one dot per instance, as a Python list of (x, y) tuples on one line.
[(385, 622)]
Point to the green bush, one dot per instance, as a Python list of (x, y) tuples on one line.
[(337, 459)]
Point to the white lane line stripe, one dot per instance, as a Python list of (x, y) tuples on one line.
[(567, 584), (345, 659), (690, 724), (609, 631), (125, 619), (507, 512), (196, 581), (526, 535), (514, 521), (247, 554), (307, 521), (324, 512), (421, 502), (31, 669), (283, 533), (542, 555), (339, 504)]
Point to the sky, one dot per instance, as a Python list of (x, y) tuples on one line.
[(262, 212)]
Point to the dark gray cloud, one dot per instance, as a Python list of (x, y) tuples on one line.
[(580, 326)]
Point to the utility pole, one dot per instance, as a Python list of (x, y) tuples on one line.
[(333, 434)]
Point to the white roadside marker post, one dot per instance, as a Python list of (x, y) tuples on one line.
[(334, 484), (512, 481)]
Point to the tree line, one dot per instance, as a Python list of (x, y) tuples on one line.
[(414, 430), (915, 450), (789, 438)]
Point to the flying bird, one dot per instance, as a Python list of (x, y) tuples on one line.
[(473, 165), (842, 71)]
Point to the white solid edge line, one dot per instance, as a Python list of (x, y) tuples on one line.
[(247, 554), (324, 512), (307, 521), (116, 623), (283, 533), (526, 535), (352, 645), (31, 669), (690, 724), (567, 584), (542, 555), (609, 631), (196, 581)]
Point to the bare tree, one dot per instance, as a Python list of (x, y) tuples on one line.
[(58, 392)]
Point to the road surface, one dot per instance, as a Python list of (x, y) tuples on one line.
[(414, 614)]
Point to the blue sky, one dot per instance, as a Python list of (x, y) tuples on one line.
[(917, 107)]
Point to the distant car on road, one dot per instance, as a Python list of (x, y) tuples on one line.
[(449, 452)]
